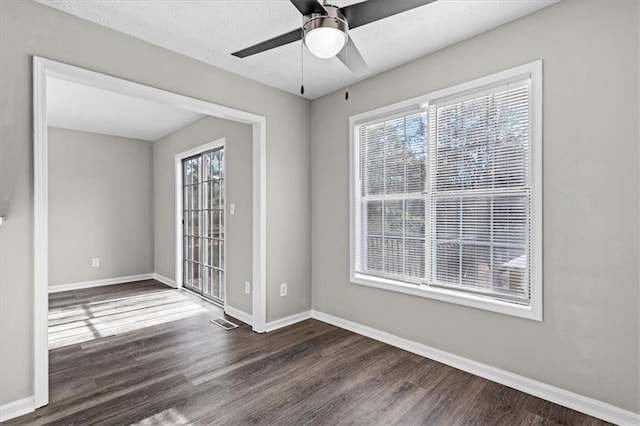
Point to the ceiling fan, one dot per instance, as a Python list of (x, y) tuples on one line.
[(325, 29)]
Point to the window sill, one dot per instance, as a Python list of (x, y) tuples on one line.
[(451, 296)]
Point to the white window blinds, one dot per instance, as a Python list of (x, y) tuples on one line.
[(480, 192), (443, 194), (392, 204)]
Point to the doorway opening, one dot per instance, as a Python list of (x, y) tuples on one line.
[(43, 71)]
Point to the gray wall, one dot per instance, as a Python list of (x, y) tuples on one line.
[(100, 205), (28, 28), (239, 187), (588, 342)]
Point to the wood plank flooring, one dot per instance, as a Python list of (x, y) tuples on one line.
[(137, 367), (76, 317)]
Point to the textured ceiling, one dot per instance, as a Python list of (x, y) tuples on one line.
[(78, 107), (210, 30)]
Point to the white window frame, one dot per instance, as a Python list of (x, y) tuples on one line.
[(532, 311)]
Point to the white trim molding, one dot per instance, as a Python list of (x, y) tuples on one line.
[(287, 321), (45, 68), (238, 314), (271, 325), (40, 237), (99, 283), (259, 228), (18, 408), (547, 392), (164, 280)]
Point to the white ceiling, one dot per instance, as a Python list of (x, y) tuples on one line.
[(79, 107), (211, 30)]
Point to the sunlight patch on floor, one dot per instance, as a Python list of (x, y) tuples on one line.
[(88, 321), (170, 416)]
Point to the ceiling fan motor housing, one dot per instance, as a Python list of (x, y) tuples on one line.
[(332, 19)]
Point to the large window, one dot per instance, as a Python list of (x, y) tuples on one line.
[(446, 194)]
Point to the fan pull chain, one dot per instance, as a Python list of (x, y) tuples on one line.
[(302, 65), (346, 87)]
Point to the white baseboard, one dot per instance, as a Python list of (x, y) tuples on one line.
[(550, 393), (238, 314), (164, 280), (286, 321), (18, 408), (99, 283)]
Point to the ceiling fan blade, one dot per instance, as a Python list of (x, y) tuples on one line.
[(307, 7), (372, 10), (287, 38), (352, 58)]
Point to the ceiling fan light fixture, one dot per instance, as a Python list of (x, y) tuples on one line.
[(325, 35), (325, 42)]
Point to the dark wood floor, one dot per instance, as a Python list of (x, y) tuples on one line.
[(185, 370)]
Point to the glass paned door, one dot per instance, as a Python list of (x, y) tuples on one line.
[(203, 224)]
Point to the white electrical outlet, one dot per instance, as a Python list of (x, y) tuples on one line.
[(232, 209), (247, 287), (95, 262), (283, 289)]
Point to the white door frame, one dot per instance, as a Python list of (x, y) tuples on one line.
[(218, 143), (43, 68)]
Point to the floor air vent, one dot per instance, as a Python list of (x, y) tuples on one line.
[(221, 322)]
